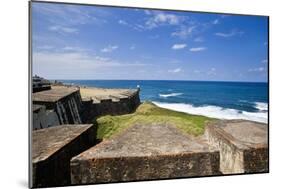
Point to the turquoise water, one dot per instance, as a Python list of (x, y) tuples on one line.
[(226, 100)]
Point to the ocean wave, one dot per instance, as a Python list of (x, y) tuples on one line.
[(170, 94), (261, 106), (215, 111)]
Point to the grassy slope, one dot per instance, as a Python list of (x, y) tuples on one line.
[(148, 113)]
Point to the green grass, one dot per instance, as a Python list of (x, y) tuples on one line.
[(148, 113)]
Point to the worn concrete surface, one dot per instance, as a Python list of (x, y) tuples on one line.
[(54, 94), (46, 142), (99, 94), (243, 145), (145, 152), (247, 132), (52, 149), (101, 101), (146, 140)]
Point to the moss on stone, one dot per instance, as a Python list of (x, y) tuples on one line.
[(148, 113)]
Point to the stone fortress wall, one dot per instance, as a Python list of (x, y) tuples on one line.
[(52, 149), (57, 106), (145, 152), (64, 105), (60, 129), (126, 101), (43, 118), (243, 145), (64, 149)]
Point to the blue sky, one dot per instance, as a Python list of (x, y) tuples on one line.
[(90, 42)]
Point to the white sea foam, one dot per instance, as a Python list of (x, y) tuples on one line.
[(262, 106), (215, 111), (170, 94)]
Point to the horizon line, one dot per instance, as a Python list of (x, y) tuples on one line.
[(162, 80)]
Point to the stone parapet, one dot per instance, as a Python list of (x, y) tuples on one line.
[(111, 102), (144, 152), (243, 145), (63, 105), (52, 149)]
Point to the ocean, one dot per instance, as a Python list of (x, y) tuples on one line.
[(224, 100)]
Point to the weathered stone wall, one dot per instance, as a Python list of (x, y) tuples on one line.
[(43, 118), (69, 109), (256, 160), (64, 105), (66, 110), (242, 144), (231, 158), (120, 169), (109, 107), (145, 152), (41, 88), (54, 170)]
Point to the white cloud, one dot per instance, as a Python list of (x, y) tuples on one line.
[(109, 48), (45, 47), (184, 31), (160, 18), (174, 61), (230, 34), (147, 12), (259, 69), (197, 71), (66, 15), (75, 64), (154, 36), (102, 59), (154, 19), (199, 39), (264, 61), (196, 49), (137, 27), (176, 70), (216, 21), (122, 22), (74, 49), (178, 46), (132, 47), (212, 71), (62, 29)]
